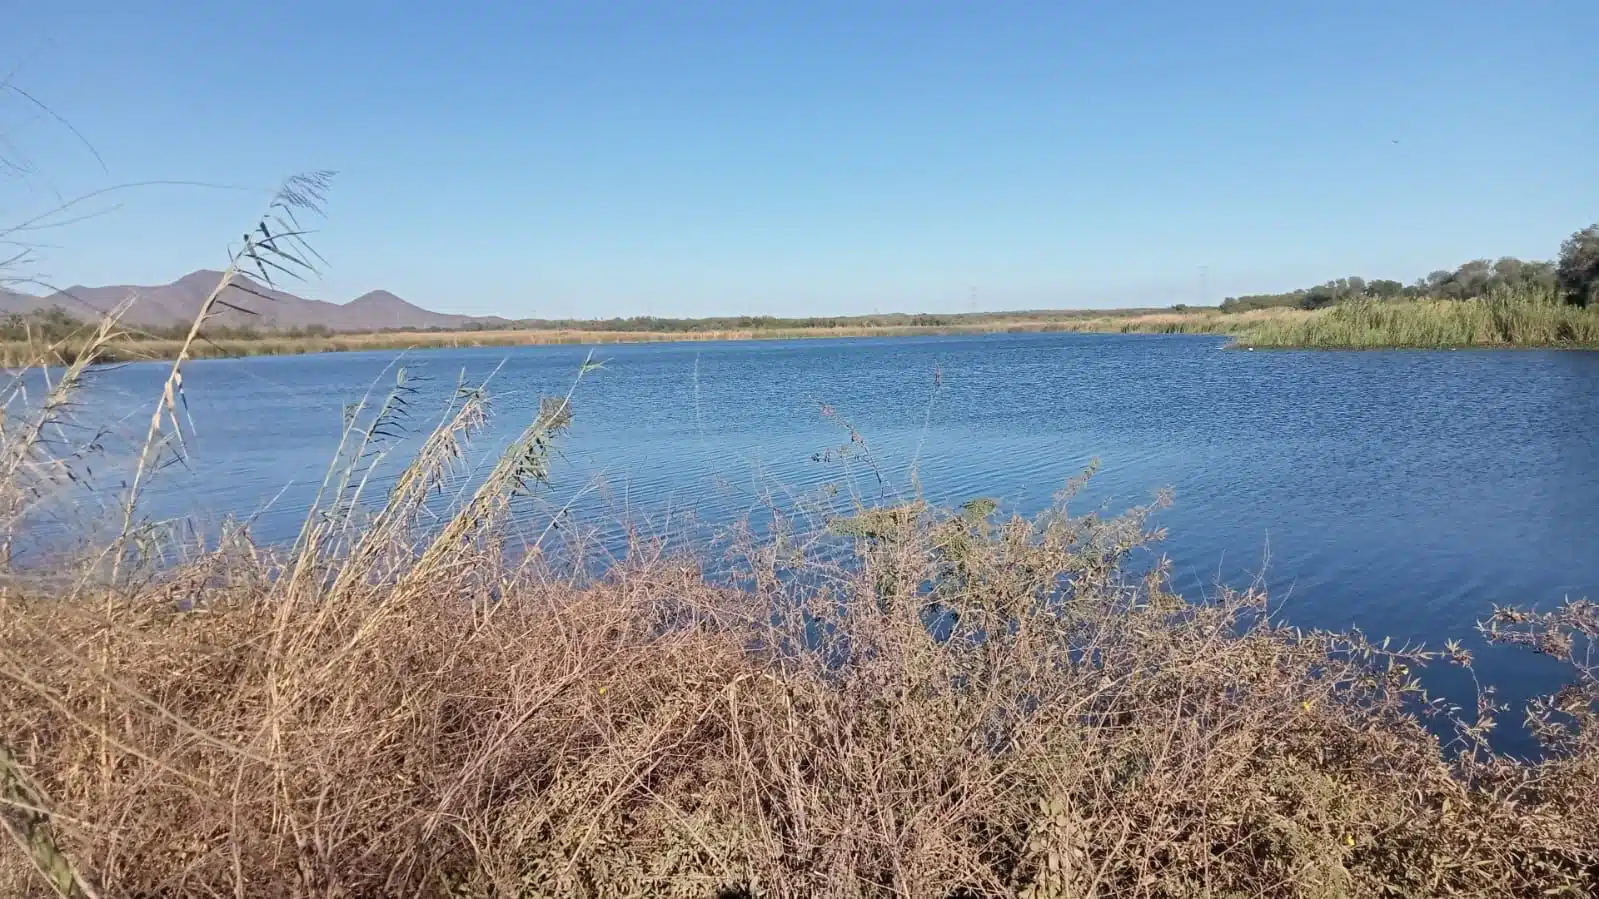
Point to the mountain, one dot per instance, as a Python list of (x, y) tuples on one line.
[(268, 309), (380, 309)]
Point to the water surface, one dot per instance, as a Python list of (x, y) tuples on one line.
[(1402, 492)]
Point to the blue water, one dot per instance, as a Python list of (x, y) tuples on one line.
[(1402, 492)]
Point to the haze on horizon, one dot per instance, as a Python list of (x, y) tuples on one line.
[(693, 159)]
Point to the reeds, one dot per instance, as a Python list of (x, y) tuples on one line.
[(1527, 319)]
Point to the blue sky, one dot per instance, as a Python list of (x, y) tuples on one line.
[(691, 158)]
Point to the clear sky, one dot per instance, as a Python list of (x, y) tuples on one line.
[(694, 158)]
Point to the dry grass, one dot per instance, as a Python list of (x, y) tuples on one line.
[(969, 705), (13, 353)]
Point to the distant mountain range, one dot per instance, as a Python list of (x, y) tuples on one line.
[(177, 303)]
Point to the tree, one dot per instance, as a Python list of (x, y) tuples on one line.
[(1509, 270), (1578, 271), (1321, 296), (1473, 277), (1384, 289), (1539, 274)]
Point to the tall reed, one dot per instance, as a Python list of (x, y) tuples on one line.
[(1530, 318)]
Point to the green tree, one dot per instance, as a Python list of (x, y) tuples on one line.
[(1578, 271), (1472, 279), (1384, 289), (1321, 296)]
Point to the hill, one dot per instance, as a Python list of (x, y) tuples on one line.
[(165, 305)]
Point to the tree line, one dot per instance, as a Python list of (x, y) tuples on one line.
[(1574, 277)]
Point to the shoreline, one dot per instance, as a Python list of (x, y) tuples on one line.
[(1437, 325), (14, 354)]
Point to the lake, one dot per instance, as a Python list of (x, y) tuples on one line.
[(1402, 492)]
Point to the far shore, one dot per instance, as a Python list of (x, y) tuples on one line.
[(1424, 324), (14, 353)]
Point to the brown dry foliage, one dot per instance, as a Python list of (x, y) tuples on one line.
[(978, 707)]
